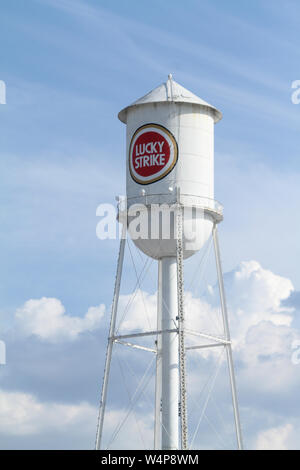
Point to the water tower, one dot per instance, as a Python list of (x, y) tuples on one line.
[(170, 168)]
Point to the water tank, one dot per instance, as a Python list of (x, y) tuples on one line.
[(170, 159)]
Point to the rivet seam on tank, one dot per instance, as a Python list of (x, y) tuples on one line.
[(153, 153)]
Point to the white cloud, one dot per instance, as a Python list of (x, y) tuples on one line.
[(273, 340), (257, 319), (136, 433), (140, 311), (275, 438), (267, 359), (46, 318), (254, 296), (261, 327), (23, 414)]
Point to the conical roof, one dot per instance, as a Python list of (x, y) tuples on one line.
[(170, 91)]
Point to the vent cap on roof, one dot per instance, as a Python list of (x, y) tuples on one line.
[(170, 91)]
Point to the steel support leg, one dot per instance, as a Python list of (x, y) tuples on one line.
[(227, 337), (110, 342)]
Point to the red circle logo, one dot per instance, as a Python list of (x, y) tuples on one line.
[(152, 154)]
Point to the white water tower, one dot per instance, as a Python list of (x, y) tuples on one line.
[(170, 165)]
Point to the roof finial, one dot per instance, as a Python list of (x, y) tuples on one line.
[(169, 87)]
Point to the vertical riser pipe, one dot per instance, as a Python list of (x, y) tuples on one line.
[(169, 357)]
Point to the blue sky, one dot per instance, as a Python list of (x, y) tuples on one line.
[(69, 67)]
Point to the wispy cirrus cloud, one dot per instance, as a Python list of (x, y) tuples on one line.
[(261, 91)]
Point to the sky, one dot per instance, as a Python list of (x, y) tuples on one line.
[(69, 67)]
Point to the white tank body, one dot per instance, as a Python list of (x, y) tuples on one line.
[(170, 158)]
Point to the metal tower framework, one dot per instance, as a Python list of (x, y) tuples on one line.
[(165, 432)]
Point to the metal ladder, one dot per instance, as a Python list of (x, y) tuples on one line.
[(181, 346)]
